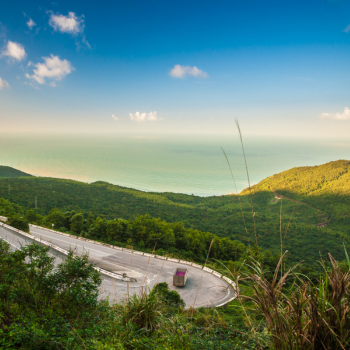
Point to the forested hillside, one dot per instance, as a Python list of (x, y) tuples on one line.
[(286, 207), (325, 187), (220, 214), (320, 194), (6, 171)]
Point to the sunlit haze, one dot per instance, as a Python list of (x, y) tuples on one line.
[(280, 68)]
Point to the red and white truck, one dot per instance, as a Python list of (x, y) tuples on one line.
[(180, 277)]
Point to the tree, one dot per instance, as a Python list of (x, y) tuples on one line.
[(31, 216), (19, 223), (90, 220), (77, 223), (55, 217), (41, 303), (114, 230), (100, 227)]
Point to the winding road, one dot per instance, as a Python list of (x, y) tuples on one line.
[(204, 287)]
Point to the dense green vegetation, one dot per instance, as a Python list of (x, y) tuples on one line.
[(144, 233), (220, 215), (325, 187), (301, 314), (6, 171), (46, 308), (15, 215)]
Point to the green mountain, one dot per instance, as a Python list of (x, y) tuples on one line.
[(6, 171), (310, 197), (325, 188)]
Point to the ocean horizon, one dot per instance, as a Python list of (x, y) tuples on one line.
[(190, 164)]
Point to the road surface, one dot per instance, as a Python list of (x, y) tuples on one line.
[(202, 289)]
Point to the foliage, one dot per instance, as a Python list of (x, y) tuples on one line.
[(43, 307), (46, 308), (325, 187), (320, 194), (148, 233), (6, 171), (9, 209), (144, 311), (170, 297), (18, 222), (33, 217), (305, 316), (304, 307)]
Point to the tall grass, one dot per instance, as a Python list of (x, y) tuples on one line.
[(238, 196), (144, 310), (305, 316), (250, 189), (298, 313)]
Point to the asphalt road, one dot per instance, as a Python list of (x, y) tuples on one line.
[(202, 289)]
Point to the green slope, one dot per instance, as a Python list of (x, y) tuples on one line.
[(325, 188), (221, 215), (319, 193), (6, 171)]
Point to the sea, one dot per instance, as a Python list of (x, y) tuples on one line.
[(191, 164)]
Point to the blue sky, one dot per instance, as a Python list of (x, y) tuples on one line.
[(280, 67)]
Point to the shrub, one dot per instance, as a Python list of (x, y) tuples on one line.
[(170, 297), (19, 223)]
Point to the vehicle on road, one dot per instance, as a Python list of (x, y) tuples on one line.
[(180, 277)]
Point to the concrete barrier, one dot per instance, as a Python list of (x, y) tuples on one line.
[(198, 266), (226, 279), (161, 257), (206, 269), (65, 252), (217, 274), (127, 250), (185, 262), (138, 253)]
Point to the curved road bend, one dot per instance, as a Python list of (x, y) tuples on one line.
[(212, 290)]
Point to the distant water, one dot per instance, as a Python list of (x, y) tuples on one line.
[(190, 164)]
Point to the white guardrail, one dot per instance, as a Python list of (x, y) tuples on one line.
[(206, 269), (65, 252)]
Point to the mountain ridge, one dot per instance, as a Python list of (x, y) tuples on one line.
[(224, 216), (7, 172)]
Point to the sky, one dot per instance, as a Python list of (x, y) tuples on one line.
[(164, 66)]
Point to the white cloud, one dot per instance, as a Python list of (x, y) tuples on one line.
[(116, 118), (14, 50), (31, 24), (52, 68), (4, 84), (32, 85), (71, 24), (85, 42), (345, 115), (347, 29), (142, 117), (183, 71)]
